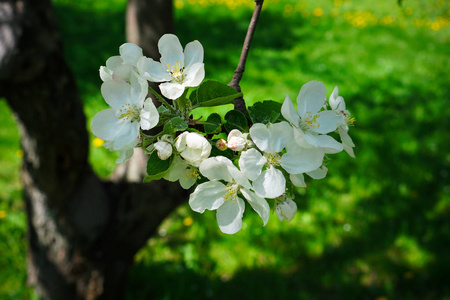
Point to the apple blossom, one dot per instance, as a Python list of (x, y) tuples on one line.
[(309, 123), (237, 141), (286, 210), (193, 147), (120, 67), (164, 149), (215, 195), (176, 69), (337, 104), (129, 112)]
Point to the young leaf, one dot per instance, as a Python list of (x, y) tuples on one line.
[(236, 120), (213, 93), (216, 123), (264, 112), (175, 124), (156, 168)]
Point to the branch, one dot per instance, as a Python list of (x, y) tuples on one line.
[(239, 103)]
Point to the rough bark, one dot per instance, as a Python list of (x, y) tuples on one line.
[(83, 232)]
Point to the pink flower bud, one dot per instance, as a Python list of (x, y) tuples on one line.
[(222, 145)]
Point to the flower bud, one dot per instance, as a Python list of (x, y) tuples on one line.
[(286, 210), (193, 147), (164, 150), (222, 145), (236, 140)]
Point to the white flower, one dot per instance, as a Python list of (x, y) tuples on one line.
[(337, 104), (120, 67), (129, 112), (164, 150), (215, 195), (177, 69), (183, 172), (236, 140), (286, 210), (193, 147), (309, 123), (271, 140)]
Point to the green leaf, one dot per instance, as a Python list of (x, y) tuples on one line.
[(215, 125), (213, 93), (236, 120), (265, 112), (156, 168), (174, 125)]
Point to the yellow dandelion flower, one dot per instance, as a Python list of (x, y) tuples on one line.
[(188, 221), (98, 142), (3, 214), (318, 12)]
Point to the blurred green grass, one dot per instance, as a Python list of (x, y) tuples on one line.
[(377, 227)]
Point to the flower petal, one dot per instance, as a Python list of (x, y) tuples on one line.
[(139, 89), (288, 111), (251, 163), (104, 124), (171, 51), (300, 160), (149, 115), (216, 168), (115, 92), (311, 98), (171, 90), (194, 75), (259, 204), (347, 141), (130, 53), (127, 132), (328, 144), (113, 62), (328, 121), (152, 70), (319, 173), (229, 216), (122, 72), (260, 136), (298, 180), (336, 102), (105, 73), (193, 53), (280, 136), (208, 195), (270, 184)]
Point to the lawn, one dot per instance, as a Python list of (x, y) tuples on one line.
[(377, 227)]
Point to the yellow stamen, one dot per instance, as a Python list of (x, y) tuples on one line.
[(176, 71)]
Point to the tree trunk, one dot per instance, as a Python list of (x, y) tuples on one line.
[(83, 233)]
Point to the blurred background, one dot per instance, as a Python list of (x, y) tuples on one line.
[(377, 227)]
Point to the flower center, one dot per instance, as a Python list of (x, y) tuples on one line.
[(129, 113), (311, 120), (232, 189), (192, 173), (176, 71), (273, 159)]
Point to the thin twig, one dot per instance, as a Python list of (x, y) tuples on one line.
[(239, 103)]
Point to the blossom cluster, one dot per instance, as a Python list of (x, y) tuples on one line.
[(258, 158)]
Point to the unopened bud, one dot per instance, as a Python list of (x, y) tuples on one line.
[(222, 145), (164, 150), (237, 140), (286, 210)]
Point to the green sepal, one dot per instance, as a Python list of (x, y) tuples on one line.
[(175, 124), (214, 124), (157, 168), (264, 112), (213, 93), (236, 120)]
